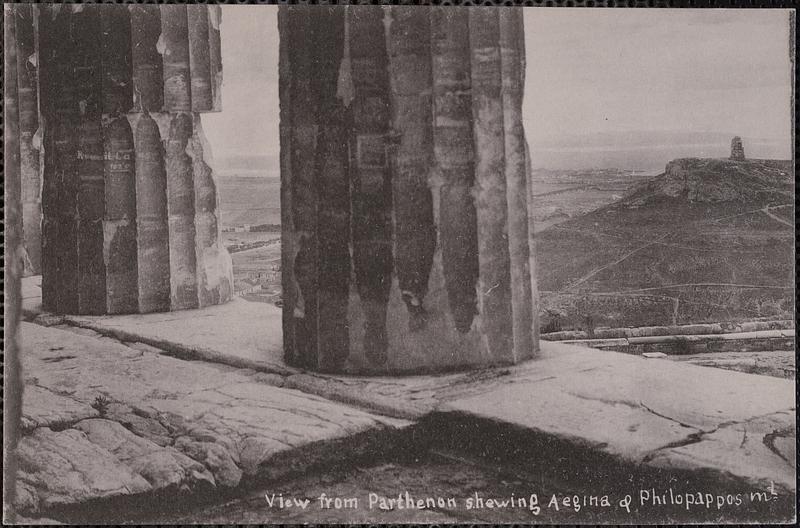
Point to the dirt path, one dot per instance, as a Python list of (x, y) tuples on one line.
[(598, 270), (777, 218)]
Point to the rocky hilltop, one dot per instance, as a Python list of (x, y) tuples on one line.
[(719, 180), (708, 240)]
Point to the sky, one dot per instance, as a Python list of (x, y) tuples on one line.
[(603, 75)]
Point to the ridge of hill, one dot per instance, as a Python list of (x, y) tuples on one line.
[(708, 240), (719, 180)]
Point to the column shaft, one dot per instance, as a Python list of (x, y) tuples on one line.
[(301, 183), (59, 109), (333, 187), (116, 39), (119, 222), (411, 89), (213, 285), (511, 53), (86, 30), (148, 69), (152, 225), (215, 59), (289, 289), (180, 205), (104, 69), (454, 153), (314, 188), (371, 175), (27, 82), (200, 58), (13, 269), (494, 295), (177, 76)]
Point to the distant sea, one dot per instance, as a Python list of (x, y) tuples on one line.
[(248, 197)]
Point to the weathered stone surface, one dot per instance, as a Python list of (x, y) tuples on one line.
[(180, 201), (148, 81), (27, 72), (410, 78), (213, 456), (178, 423), (494, 284), (140, 423), (638, 410), (413, 301), (777, 363), (66, 468), (44, 408), (454, 154), (622, 405), (96, 66), (177, 79), (162, 467), (745, 449), (254, 339)]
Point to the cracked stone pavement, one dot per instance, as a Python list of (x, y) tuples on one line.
[(106, 418), (103, 419)]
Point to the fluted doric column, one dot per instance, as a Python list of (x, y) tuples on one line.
[(27, 90), (129, 201), (407, 246)]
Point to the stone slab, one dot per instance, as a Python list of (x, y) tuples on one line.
[(632, 408), (44, 408), (621, 405), (744, 448), (240, 333), (167, 422), (64, 467)]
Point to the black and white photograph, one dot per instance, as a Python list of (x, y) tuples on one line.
[(391, 264)]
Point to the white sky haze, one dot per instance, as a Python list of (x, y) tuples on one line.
[(589, 72)]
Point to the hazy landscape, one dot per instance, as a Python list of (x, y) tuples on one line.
[(705, 239)]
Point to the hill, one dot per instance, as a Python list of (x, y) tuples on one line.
[(707, 240)]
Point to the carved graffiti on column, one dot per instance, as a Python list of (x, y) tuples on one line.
[(119, 224), (102, 73), (91, 190)]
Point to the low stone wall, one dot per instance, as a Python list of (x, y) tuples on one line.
[(675, 330), (763, 340)]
